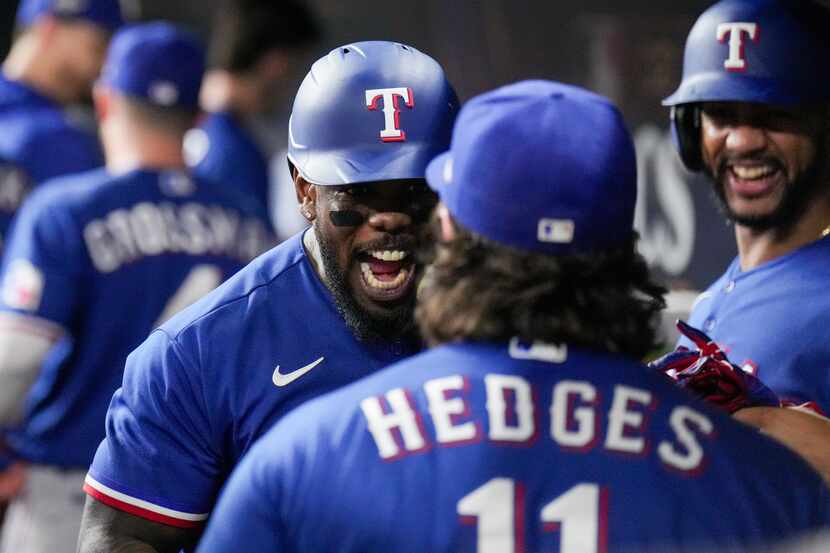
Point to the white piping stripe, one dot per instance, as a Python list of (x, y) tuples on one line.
[(143, 504)]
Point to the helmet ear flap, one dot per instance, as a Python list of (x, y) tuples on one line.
[(685, 127)]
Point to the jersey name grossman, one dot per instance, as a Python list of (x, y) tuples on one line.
[(578, 420), (147, 229)]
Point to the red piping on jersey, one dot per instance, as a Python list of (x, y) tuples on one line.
[(138, 511)]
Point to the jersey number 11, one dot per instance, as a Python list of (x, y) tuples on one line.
[(497, 507)]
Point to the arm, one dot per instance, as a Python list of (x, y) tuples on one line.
[(38, 290), (107, 530), (24, 343), (805, 432), (155, 476)]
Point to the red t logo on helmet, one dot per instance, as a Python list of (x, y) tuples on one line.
[(391, 112), (735, 31)]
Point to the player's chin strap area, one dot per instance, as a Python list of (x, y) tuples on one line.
[(312, 248)]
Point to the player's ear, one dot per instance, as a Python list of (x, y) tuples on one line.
[(102, 101), (45, 28), (306, 195)]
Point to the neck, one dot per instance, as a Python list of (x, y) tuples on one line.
[(312, 248), (23, 64), (225, 91), (758, 247), (128, 148)]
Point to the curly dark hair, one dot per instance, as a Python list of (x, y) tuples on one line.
[(478, 290)]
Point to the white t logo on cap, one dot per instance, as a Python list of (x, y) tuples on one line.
[(736, 30), (555, 231), (391, 112)]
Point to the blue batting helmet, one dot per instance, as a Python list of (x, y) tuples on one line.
[(370, 111), (763, 51)]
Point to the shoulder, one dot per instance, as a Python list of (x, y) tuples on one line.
[(49, 128), (221, 138), (64, 193), (229, 197), (45, 145)]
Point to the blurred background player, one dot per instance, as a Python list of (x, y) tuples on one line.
[(254, 47), (530, 426), (326, 307), (55, 58), (94, 262), (753, 113)]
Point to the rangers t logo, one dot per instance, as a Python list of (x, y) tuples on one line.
[(735, 31), (391, 112)]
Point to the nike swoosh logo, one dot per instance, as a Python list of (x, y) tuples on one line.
[(284, 379)]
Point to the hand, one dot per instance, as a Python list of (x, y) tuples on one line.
[(12, 480), (708, 374)]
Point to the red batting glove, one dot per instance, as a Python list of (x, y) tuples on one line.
[(708, 374)]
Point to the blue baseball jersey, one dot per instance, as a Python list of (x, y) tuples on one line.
[(38, 141), (222, 150), (94, 262), (496, 448), (772, 322), (208, 383)]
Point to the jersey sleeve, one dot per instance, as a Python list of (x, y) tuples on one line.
[(42, 265), (159, 459)]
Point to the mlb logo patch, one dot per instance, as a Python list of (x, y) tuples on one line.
[(23, 286), (555, 231)]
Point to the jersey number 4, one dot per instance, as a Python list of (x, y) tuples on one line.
[(199, 281), (497, 507)]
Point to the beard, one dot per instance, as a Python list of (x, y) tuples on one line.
[(796, 197), (395, 324)]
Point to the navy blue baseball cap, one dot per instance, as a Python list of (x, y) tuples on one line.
[(540, 166), (104, 13), (156, 62)]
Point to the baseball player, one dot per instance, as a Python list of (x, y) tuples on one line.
[(530, 426), (324, 308), (252, 45), (94, 262), (53, 62), (753, 113)]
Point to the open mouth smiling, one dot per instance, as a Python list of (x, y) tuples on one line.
[(386, 274)]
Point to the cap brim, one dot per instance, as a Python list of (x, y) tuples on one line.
[(353, 166), (715, 87)]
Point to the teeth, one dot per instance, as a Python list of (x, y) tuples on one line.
[(387, 255), (375, 282), (752, 173)]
